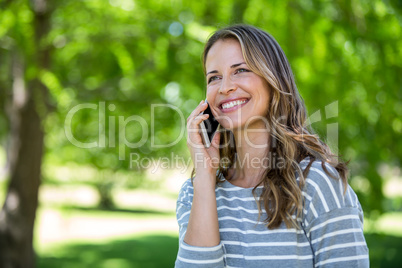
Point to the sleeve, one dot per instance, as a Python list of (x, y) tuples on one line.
[(192, 256), (333, 221)]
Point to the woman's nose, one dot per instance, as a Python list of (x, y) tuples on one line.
[(227, 86)]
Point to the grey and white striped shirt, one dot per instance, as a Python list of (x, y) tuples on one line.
[(330, 234)]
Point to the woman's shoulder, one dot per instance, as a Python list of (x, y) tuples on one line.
[(321, 173), (326, 197), (187, 183), (186, 192), (224, 187), (325, 188)]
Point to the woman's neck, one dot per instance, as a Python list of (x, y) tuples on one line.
[(252, 147)]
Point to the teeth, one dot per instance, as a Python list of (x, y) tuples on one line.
[(232, 103)]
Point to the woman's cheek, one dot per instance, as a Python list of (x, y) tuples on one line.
[(212, 90)]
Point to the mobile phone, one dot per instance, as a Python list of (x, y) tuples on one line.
[(208, 127)]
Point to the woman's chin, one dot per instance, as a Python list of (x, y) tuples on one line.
[(244, 125), (234, 126)]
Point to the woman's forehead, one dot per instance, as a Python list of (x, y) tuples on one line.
[(224, 52)]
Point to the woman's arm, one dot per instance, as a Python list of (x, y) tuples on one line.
[(198, 216), (333, 221), (203, 226), (337, 239), (196, 251)]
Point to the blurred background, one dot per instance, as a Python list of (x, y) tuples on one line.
[(93, 99)]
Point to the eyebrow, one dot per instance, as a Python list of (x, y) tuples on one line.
[(233, 66)]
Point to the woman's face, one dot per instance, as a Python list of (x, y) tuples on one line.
[(237, 97)]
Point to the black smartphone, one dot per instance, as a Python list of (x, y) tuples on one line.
[(208, 127)]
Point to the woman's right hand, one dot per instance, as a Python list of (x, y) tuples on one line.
[(206, 160)]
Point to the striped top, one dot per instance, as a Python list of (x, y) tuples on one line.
[(330, 234)]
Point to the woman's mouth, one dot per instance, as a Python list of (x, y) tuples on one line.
[(230, 106)]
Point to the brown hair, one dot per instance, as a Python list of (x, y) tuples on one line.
[(290, 138)]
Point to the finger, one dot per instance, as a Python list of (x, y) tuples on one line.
[(216, 139), (200, 108), (196, 121)]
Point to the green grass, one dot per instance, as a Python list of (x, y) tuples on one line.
[(384, 240), (385, 250), (142, 251)]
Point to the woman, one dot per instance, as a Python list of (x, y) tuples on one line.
[(267, 192)]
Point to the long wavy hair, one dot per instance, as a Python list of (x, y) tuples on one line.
[(291, 139)]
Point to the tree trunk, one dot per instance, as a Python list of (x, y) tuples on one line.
[(18, 214), (28, 107)]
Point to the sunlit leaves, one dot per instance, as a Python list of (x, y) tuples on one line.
[(132, 54)]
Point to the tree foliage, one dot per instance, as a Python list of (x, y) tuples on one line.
[(123, 56)]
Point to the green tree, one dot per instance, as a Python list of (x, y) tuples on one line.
[(27, 109), (121, 56)]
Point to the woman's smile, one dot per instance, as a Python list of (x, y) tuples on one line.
[(232, 104)]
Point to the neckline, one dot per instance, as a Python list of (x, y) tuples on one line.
[(239, 187), (231, 185)]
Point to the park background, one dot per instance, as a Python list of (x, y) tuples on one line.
[(116, 58)]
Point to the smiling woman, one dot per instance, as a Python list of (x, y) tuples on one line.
[(268, 191), (230, 87)]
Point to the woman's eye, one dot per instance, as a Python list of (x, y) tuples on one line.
[(242, 70), (212, 78)]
